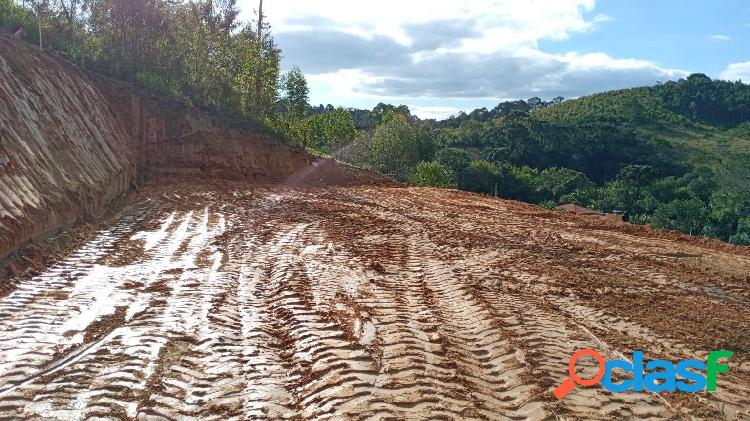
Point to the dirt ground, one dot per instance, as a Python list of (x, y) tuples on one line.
[(229, 302)]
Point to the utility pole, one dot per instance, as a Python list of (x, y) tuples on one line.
[(260, 19), (259, 70)]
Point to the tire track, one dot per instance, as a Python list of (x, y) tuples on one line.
[(369, 303)]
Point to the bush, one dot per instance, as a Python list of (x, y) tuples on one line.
[(688, 216), (639, 219), (155, 83), (432, 174), (479, 177), (548, 204), (454, 159)]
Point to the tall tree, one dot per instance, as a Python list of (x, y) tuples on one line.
[(296, 93), (41, 9)]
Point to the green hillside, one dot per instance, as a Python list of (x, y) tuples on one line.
[(674, 155), (705, 121)]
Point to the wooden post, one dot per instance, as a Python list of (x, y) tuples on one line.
[(495, 189)]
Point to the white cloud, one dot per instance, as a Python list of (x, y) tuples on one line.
[(737, 71), (437, 113), (528, 20), (721, 37), (427, 52)]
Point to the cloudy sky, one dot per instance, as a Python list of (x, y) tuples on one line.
[(440, 56)]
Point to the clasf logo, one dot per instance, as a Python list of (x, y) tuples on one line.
[(658, 376)]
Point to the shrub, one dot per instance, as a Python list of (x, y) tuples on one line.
[(479, 177), (432, 174), (688, 216)]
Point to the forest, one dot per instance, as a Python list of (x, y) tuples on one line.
[(675, 155)]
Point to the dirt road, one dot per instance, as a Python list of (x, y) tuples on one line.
[(364, 303)]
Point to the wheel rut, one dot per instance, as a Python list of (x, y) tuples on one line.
[(360, 303)]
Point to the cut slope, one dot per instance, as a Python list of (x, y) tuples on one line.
[(72, 142), (63, 154)]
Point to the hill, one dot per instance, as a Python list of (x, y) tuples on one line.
[(707, 122), (674, 155)]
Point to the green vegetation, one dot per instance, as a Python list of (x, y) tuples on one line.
[(431, 174), (195, 50), (676, 155)]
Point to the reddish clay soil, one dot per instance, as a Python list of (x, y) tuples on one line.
[(231, 302)]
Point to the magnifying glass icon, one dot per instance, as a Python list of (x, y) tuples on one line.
[(568, 384)]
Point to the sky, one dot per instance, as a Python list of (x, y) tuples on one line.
[(440, 57)]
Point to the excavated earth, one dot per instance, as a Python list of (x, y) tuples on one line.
[(162, 265), (228, 301)]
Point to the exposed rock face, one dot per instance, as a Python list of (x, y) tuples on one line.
[(72, 142)]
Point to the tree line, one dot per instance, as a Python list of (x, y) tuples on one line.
[(196, 50)]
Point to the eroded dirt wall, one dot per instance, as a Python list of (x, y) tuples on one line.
[(63, 154), (74, 141), (174, 139)]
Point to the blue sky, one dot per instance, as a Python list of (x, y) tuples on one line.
[(687, 34), (442, 56)]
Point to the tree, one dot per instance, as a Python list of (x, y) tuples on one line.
[(296, 93), (432, 174), (338, 128), (742, 236), (259, 67), (554, 183), (479, 177), (454, 159), (701, 181), (393, 148), (41, 9), (424, 142), (688, 216), (725, 211), (535, 103), (638, 175), (257, 64)]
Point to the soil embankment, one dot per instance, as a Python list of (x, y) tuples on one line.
[(72, 142)]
